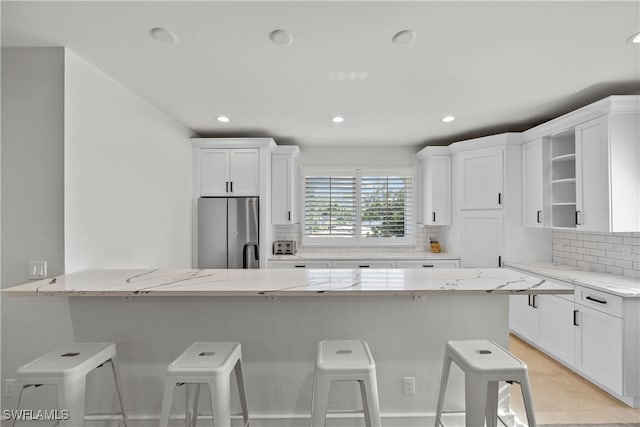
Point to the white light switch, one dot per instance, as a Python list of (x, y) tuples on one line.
[(37, 269)]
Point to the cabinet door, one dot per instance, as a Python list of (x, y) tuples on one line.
[(300, 264), (244, 169), (482, 179), (481, 237), (437, 194), (428, 263), (523, 316), (214, 172), (598, 346), (592, 176), (532, 167), (362, 264), (281, 189), (556, 327)]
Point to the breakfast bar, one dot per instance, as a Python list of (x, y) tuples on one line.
[(278, 316)]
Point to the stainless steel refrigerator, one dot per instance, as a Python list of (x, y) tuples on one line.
[(228, 232)]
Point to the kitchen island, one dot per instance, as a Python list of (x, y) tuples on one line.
[(406, 316)]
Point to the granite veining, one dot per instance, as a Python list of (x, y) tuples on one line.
[(289, 282), (615, 284)]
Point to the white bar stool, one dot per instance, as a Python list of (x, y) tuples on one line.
[(67, 369), (484, 363), (206, 363), (345, 360)]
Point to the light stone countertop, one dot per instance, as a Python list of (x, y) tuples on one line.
[(363, 255), (290, 282), (615, 284)]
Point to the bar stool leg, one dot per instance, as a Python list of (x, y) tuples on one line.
[(192, 396), (242, 391), (220, 401), (371, 407), (116, 377), (525, 387), (446, 367), (492, 404), (17, 396), (319, 400), (475, 400), (167, 402), (71, 396)]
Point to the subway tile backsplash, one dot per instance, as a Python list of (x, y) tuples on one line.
[(423, 234), (617, 253)]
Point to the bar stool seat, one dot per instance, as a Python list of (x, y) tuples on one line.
[(484, 363), (345, 360), (67, 368), (208, 363)]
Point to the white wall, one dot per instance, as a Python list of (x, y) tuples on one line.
[(127, 177), (357, 156)]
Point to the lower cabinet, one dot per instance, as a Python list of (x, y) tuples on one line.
[(594, 333), (446, 263)]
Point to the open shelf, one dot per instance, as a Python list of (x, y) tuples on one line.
[(565, 158), (563, 180)]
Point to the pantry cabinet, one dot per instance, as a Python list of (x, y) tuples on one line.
[(482, 178), (284, 176), (229, 172), (436, 185)]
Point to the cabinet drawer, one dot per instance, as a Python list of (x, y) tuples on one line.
[(299, 264), (363, 264), (428, 264), (598, 300)]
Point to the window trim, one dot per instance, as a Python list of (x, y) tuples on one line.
[(357, 241)]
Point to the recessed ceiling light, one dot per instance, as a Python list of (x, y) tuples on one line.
[(448, 119), (634, 38), (223, 119), (281, 37), (404, 37), (164, 36), (337, 119)]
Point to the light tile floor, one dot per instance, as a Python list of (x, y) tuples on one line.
[(562, 397)]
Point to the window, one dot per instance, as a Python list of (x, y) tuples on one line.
[(358, 207)]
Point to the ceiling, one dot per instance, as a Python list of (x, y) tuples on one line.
[(496, 66)]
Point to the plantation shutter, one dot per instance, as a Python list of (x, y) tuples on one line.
[(386, 206), (330, 206)]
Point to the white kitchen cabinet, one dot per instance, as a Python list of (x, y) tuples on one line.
[(533, 212), (607, 173), (284, 177), (367, 263), (299, 264), (482, 178), (229, 172), (436, 185), (481, 238), (555, 326), (524, 316), (428, 263)]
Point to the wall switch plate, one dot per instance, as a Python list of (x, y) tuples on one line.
[(409, 385), (37, 269), (8, 387)]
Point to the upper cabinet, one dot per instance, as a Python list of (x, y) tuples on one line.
[(590, 169), (436, 184), (533, 213), (229, 172), (482, 178), (284, 172)]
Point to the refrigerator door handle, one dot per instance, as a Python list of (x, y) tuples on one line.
[(245, 253)]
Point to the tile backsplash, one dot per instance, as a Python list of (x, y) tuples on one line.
[(617, 253), (423, 233)]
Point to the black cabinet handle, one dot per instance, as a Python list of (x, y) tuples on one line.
[(427, 265), (577, 221), (364, 266), (575, 318), (434, 216), (538, 217), (300, 266), (533, 301), (499, 261), (499, 198), (529, 300), (226, 186), (599, 301), (231, 186), (289, 215)]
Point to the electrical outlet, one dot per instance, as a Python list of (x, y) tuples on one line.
[(409, 384), (37, 269), (8, 387)]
